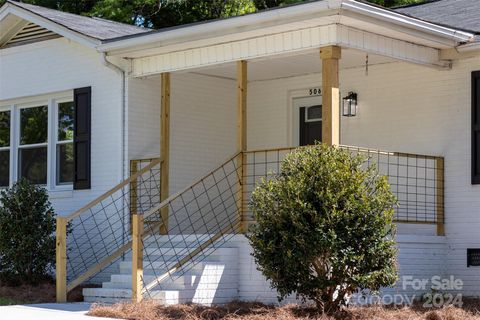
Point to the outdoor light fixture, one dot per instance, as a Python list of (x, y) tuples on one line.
[(350, 105)]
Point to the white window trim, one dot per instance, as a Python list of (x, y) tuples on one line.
[(293, 118), (53, 148), (16, 137), (51, 101), (10, 147)]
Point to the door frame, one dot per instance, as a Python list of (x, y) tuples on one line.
[(293, 118)]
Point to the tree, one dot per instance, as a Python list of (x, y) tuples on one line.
[(324, 227)]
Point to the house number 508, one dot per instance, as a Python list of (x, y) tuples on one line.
[(314, 91)]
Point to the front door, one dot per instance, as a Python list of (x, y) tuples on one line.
[(309, 120)]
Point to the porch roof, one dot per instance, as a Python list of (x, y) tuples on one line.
[(347, 23)]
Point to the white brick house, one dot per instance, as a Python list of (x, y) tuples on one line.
[(241, 89)]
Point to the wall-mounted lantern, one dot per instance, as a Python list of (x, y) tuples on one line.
[(350, 105)]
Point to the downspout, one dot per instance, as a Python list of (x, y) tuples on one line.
[(121, 72)]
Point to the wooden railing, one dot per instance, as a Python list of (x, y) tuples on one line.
[(95, 236), (417, 180)]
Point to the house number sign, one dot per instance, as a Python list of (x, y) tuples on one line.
[(314, 91)]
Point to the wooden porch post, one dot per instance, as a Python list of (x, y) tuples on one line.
[(165, 148), (330, 95), (137, 257), (61, 260), (242, 135)]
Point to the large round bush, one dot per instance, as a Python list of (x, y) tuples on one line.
[(324, 227), (27, 234)]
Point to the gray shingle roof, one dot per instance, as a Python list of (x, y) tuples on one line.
[(97, 28), (460, 14)]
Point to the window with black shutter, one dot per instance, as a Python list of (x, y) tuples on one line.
[(476, 127), (81, 138)]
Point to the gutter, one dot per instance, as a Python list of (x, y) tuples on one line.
[(222, 27), (470, 47), (280, 16)]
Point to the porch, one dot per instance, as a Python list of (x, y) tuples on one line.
[(175, 211)]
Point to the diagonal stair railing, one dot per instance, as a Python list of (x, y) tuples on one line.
[(201, 218), (97, 235)]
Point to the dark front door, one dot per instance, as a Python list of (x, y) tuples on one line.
[(310, 125)]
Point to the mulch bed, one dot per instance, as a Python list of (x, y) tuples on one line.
[(41, 293), (149, 310)]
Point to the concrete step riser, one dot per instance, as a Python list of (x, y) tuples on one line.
[(100, 294), (230, 280), (195, 270)]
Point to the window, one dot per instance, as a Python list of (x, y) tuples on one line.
[(314, 113), (33, 144), (4, 148), (64, 143), (36, 141)]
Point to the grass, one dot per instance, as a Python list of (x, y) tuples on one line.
[(7, 301), (149, 310)]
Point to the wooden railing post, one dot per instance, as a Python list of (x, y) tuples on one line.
[(133, 191), (137, 257), (61, 259), (164, 149), (440, 177), (242, 85)]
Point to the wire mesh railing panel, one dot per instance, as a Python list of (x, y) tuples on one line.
[(200, 219), (99, 234), (416, 180)]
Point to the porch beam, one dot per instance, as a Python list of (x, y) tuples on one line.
[(241, 135), (164, 148), (330, 95), (289, 42)]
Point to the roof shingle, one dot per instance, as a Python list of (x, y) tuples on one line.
[(97, 28), (460, 14)]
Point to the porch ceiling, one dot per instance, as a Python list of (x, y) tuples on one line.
[(291, 65)]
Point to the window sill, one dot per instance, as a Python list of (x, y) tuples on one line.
[(60, 193)]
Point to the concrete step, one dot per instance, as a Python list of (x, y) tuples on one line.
[(179, 282), (197, 268), (200, 296), (166, 252), (211, 278)]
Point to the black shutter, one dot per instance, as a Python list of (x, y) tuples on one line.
[(81, 137), (476, 127)]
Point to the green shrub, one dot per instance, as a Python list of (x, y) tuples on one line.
[(27, 238), (324, 227)]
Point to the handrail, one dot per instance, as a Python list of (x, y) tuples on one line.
[(113, 190), (92, 257)]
